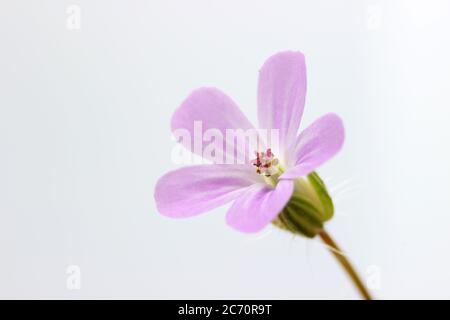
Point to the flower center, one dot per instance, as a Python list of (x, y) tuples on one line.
[(265, 163)]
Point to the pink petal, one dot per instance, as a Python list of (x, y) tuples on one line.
[(281, 95), (192, 190), (216, 111), (316, 144), (258, 206)]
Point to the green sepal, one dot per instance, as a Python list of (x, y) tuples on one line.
[(309, 207), (300, 217), (323, 195)]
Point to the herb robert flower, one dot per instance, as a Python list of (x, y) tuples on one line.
[(279, 185)]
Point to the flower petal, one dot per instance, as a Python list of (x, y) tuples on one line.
[(192, 190), (281, 95), (258, 206), (316, 144), (212, 110)]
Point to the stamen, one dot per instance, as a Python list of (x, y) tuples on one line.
[(265, 163)]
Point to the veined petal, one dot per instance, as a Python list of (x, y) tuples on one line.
[(258, 206), (281, 95), (316, 144), (192, 190), (206, 114)]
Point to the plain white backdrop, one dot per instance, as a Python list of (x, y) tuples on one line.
[(85, 107)]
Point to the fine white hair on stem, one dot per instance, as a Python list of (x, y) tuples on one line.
[(341, 191), (340, 252), (343, 188)]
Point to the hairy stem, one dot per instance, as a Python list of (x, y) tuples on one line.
[(345, 263)]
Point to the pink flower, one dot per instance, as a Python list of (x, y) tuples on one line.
[(261, 187)]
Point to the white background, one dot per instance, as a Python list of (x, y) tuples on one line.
[(84, 136)]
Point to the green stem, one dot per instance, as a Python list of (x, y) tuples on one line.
[(345, 263)]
